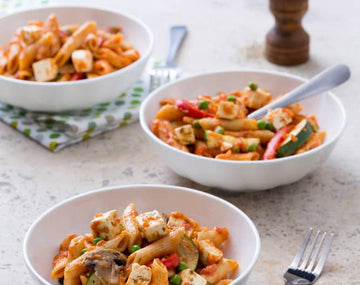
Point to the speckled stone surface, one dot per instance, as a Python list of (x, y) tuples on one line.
[(223, 34)]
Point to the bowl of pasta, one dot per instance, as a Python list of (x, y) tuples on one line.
[(128, 234), (199, 127), (62, 58)]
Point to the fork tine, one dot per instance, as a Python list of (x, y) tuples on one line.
[(164, 77), (301, 250), (309, 252), (152, 87), (312, 263), (173, 75), (155, 78), (319, 267)]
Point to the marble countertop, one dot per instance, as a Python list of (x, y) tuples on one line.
[(223, 34)]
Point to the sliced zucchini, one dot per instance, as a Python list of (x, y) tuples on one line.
[(93, 280), (296, 139), (188, 252)]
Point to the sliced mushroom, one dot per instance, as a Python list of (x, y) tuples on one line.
[(108, 264)]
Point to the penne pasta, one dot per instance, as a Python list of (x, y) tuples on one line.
[(224, 268), (217, 127), (159, 273), (14, 52), (130, 224), (24, 74), (158, 248), (125, 260), (239, 124), (113, 42), (3, 61), (74, 42), (33, 47), (91, 43), (102, 67), (216, 236)]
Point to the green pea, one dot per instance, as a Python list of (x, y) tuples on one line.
[(203, 104), (134, 248), (219, 130), (252, 147), (196, 124), (231, 98), (253, 86), (175, 279), (236, 149), (96, 240), (261, 124), (83, 251), (269, 126), (182, 266)]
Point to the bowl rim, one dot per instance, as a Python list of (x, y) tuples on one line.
[(242, 274), (153, 94), (143, 57)]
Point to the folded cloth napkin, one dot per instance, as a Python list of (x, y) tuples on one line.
[(57, 131)]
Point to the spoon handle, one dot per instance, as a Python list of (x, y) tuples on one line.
[(322, 82), (177, 34)]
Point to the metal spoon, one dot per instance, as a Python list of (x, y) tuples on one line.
[(324, 81)]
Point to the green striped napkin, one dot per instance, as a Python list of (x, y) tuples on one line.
[(56, 131)]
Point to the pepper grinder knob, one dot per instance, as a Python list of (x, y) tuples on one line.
[(287, 43)]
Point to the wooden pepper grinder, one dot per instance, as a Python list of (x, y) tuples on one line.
[(287, 43)]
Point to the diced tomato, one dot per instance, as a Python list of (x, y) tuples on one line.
[(171, 261), (77, 76), (191, 110), (209, 270), (276, 141), (187, 226)]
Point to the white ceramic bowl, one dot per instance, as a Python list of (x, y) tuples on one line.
[(60, 96), (244, 175), (74, 215)]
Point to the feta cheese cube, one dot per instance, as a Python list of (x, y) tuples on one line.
[(82, 60), (209, 253), (152, 225), (185, 134), (228, 110), (31, 34), (106, 225), (256, 99), (140, 275), (45, 70), (279, 117), (190, 277)]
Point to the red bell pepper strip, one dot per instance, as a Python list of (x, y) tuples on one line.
[(171, 261), (276, 141), (190, 110)]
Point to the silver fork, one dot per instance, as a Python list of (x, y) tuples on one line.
[(160, 75), (307, 272)]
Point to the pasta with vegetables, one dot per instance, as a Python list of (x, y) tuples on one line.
[(146, 248), (48, 52), (218, 127)]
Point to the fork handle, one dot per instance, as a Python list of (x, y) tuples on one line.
[(177, 35)]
